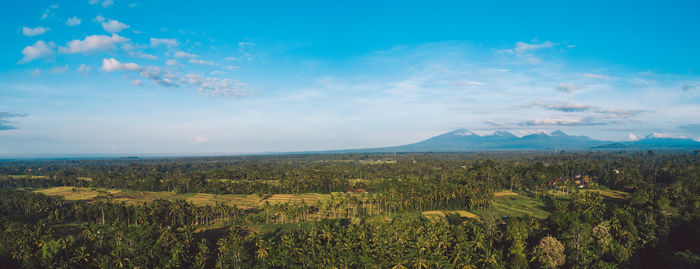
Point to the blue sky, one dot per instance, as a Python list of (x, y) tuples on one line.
[(224, 77)]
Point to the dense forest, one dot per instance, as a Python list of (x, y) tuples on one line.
[(372, 220)]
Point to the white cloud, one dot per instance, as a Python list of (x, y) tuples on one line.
[(196, 61), (595, 76), (461, 82), (182, 54), (632, 137), (147, 56), (136, 82), (230, 58), (111, 64), (201, 139), (245, 44), (522, 46), (93, 43), (40, 49), (163, 41), (171, 62), (59, 69), (99, 18), (34, 31), (105, 3), (73, 21), (114, 26), (665, 135)]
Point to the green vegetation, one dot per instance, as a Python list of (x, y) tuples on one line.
[(515, 206), (415, 210)]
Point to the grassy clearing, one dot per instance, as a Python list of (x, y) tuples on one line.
[(508, 203), (133, 197), (504, 194), (27, 176), (442, 215), (611, 194), (608, 195)]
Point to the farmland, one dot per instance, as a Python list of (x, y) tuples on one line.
[(360, 210)]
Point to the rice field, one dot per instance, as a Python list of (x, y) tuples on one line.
[(609, 195), (437, 214), (133, 197), (508, 203)]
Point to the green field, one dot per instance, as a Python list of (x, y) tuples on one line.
[(515, 205), (506, 203), (131, 196)]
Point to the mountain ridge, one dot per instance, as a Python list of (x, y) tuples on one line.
[(463, 140)]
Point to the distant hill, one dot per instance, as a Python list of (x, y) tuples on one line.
[(465, 140), (652, 142)]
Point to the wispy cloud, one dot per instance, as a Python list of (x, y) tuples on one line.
[(163, 41), (566, 87), (218, 87), (198, 61), (5, 123), (182, 54), (84, 69), (620, 113), (523, 47), (495, 123), (104, 3), (155, 74), (687, 87), (692, 128), (562, 122), (595, 76), (59, 69), (564, 107), (48, 12)]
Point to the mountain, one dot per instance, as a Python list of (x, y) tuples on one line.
[(654, 142), (464, 140)]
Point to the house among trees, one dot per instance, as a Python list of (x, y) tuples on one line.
[(578, 181), (353, 190)]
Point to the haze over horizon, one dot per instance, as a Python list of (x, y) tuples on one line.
[(115, 77)]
